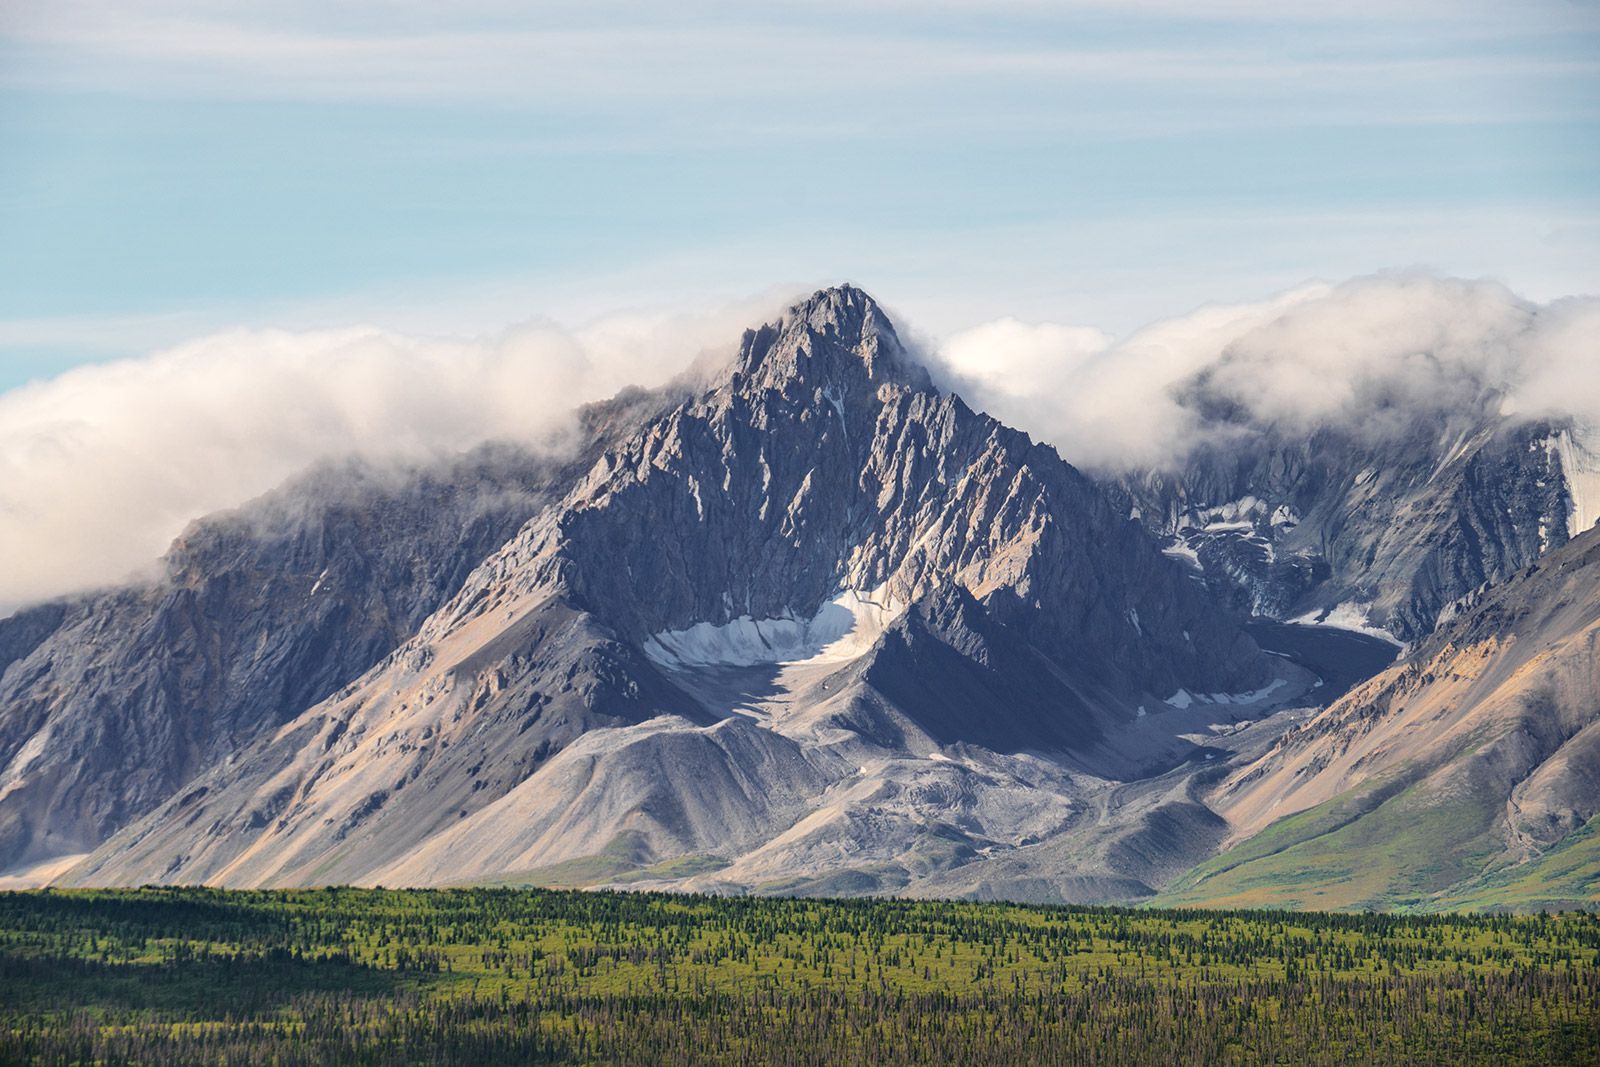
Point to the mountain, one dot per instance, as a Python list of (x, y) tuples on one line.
[(1378, 526), (815, 626), (110, 703), (1466, 774), (804, 623)]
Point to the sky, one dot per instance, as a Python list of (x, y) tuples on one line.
[(173, 168), (240, 237)]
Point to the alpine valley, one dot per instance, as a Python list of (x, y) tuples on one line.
[(806, 623)]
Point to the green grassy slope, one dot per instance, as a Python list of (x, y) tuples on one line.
[(1567, 876), (1391, 847)]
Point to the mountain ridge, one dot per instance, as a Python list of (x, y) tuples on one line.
[(1504, 693), (799, 623), (821, 470)]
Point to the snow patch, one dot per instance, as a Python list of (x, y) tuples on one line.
[(835, 396), (1185, 699), (1351, 615), (1252, 696), (1463, 443), (1581, 469), (1181, 550), (841, 630)]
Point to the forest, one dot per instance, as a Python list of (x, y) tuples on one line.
[(503, 976)]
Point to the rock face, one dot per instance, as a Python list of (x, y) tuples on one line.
[(810, 625), (827, 463), (110, 703), (1463, 774), (1380, 527), (815, 621)]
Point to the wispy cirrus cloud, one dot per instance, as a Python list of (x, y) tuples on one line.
[(608, 56)]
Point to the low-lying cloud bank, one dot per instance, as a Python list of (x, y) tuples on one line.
[(1369, 354), (101, 467)]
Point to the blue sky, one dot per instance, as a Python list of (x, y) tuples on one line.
[(169, 169)]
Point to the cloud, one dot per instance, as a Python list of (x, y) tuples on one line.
[(1012, 353), (1110, 407), (1370, 355), (619, 58), (101, 467), (1561, 372)]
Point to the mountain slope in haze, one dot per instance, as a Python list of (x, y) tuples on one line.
[(1379, 526), (1467, 773), (111, 703), (817, 627)]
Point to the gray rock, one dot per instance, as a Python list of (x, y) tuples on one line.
[(109, 704), (1023, 614), (1396, 522), (805, 624)]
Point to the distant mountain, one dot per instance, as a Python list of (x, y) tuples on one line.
[(1467, 774), (1378, 526), (805, 623)]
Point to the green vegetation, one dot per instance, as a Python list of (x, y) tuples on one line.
[(1393, 846), (623, 855), (623, 861), (1566, 876), (490, 976)]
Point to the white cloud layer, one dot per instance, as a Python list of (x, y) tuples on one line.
[(1368, 354), (101, 467)]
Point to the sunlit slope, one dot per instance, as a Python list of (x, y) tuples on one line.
[(1466, 775)]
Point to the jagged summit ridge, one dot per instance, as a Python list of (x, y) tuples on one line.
[(850, 474), (835, 340), (565, 695)]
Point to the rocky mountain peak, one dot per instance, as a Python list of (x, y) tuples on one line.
[(836, 340)]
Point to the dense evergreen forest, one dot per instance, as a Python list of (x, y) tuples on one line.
[(492, 976)]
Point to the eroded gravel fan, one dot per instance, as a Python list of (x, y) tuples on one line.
[(718, 647)]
